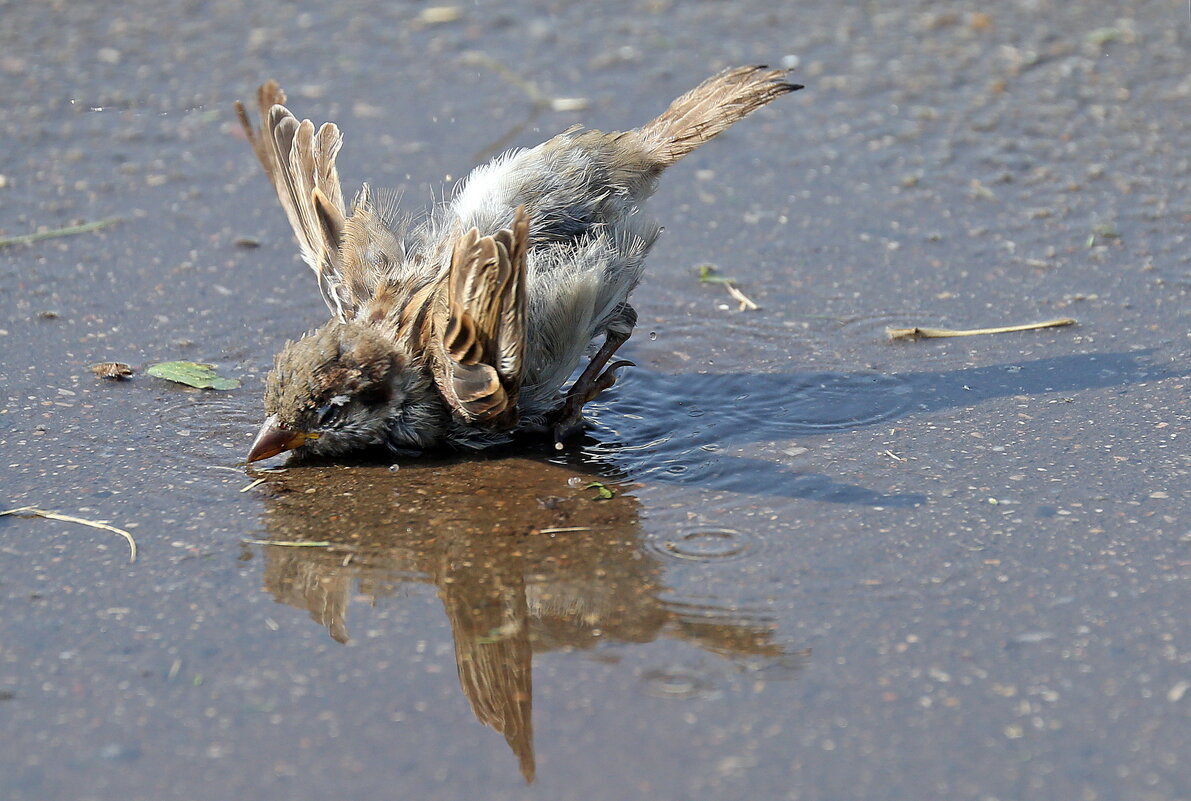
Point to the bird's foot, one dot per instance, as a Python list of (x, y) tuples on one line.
[(570, 422)]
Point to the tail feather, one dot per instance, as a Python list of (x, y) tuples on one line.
[(709, 109)]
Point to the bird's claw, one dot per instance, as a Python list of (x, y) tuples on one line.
[(571, 422)]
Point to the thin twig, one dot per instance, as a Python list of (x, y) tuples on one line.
[(288, 544), (563, 530), (708, 274), (70, 230), (29, 511), (745, 303), (936, 333), (256, 483)]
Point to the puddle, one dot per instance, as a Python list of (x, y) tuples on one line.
[(871, 327), (554, 571), (766, 340)]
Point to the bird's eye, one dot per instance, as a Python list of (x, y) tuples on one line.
[(329, 413), (326, 415)]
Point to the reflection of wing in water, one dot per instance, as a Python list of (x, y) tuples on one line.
[(308, 584), (524, 563), (494, 660)]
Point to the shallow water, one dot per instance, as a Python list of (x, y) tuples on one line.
[(831, 567)]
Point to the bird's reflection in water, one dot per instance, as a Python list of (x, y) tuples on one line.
[(526, 556)]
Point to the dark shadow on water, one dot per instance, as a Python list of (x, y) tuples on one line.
[(524, 559), (673, 428)]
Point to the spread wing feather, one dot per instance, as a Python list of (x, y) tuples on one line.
[(300, 163), (481, 343)]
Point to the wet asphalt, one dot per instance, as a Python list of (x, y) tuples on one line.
[(831, 566)]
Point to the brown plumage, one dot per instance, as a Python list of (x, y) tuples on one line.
[(709, 109), (478, 360), (463, 330)]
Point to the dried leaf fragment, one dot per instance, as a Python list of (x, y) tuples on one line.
[(70, 230), (116, 371), (568, 103), (746, 303)]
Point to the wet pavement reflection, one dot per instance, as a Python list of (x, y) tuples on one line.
[(526, 557)]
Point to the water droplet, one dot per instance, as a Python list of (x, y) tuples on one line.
[(653, 335)]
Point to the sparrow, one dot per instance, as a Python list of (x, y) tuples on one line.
[(461, 330)]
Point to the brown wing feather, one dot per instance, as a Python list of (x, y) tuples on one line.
[(482, 339), (510, 340), (330, 217), (300, 163)]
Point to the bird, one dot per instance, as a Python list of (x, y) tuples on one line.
[(460, 329)]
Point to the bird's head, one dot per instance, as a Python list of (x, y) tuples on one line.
[(343, 388)]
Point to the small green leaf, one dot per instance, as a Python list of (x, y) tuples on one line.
[(1102, 36), (192, 374), (708, 275), (603, 491)]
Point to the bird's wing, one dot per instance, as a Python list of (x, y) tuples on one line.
[(300, 162), (479, 347)]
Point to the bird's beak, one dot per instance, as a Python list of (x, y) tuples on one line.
[(274, 438)]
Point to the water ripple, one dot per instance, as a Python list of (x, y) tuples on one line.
[(708, 410), (680, 682), (713, 430), (208, 429), (704, 545)]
